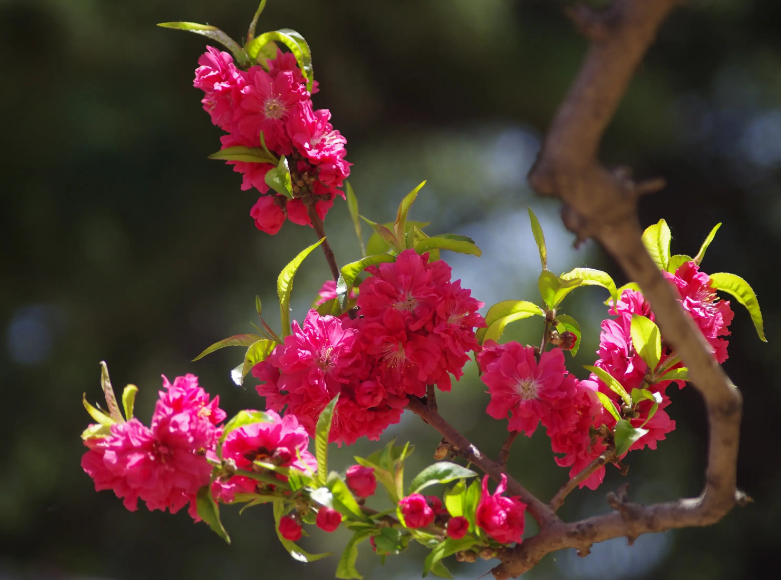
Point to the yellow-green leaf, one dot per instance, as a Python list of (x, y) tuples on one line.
[(701, 254), (656, 239), (647, 340), (285, 286), (215, 34), (539, 239), (611, 382), (235, 340), (743, 293), (506, 308)]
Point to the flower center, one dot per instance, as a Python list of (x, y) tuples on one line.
[(526, 388), (325, 359), (274, 108), (394, 355), (408, 304)]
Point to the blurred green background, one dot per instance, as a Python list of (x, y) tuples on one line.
[(120, 241)]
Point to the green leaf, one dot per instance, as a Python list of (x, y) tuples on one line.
[(108, 392), (279, 179), (743, 293), (496, 330), (701, 254), (611, 382), (539, 239), (322, 432), (647, 340), (677, 261), (656, 239), (454, 499), (471, 499), (565, 287), (96, 431), (257, 353), (640, 395), (391, 541), (352, 206), (346, 567), (440, 472), (608, 404), (351, 271), (209, 512), (439, 569), (505, 308), (215, 34), (565, 323), (625, 436), (387, 236), (242, 419), (99, 416), (129, 400), (291, 547), (445, 549), (293, 41), (245, 154), (343, 499), (253, 25), (400, 225), (549, 283), (591, 277), (376, 244), (285, 286), (236, 340), (679, 374), (258, 306), (452, 242)]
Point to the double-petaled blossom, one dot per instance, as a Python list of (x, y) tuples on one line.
[(279, 441), (221, 82), (164, 465), (416, 511), (502, 518)]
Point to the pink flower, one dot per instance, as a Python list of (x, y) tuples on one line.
[(457, 527), (501, 517), (361, 480), (328, 519), (268, 213), (290, 528), (328, 292), (164, 466), (298, 214), (416, 511), (266, 104), (253, 174), (222, 82), (699, 300), (286, 61), (436, 504), (281, 442), (522, 388)]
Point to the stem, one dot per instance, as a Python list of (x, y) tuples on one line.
[(538, 510), (317, 224), (558, 500), (504, 454), (549, 316)]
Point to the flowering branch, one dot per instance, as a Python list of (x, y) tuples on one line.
[(558, 499), (602, 205), (319, 228)]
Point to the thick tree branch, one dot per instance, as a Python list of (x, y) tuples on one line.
[(538, 510), (602, 204)]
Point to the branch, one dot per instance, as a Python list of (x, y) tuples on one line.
[(317, 224), (601, 204), (538, 510), (504, 454), (558, 499)]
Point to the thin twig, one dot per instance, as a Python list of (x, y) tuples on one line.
[(317, 224), (558, 499), (538, 510), (504, 454)]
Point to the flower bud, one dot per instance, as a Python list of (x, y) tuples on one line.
[(268, 214), (457, 527), (290, 528), (328, 519), (361, 480), (369, 394), (416, 511)]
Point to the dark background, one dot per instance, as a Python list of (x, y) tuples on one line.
[(120, 241)]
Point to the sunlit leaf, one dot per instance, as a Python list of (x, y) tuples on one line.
[(285, 286), (565, 287), (242, 419), (539, 239), (245, 154), (495, 331), (611, 382), (129, 400), (452, 242), (343, 499), (701, 254), (399, 226), (454, 499), (445, 549), (257, 353), (647, 340), (505, 308), (440, 472), (279, 178), (625, 436), (294, 42), (215, 34), (236, 340), (351, 271), (209, 512), (679, 374), (743, 293), (322, 432), (352, 206), (549, 283), (608, 404), (677, 261), (591, 277), (99, 416), (656, 239)]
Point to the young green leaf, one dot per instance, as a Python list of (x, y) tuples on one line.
[(454, 498), (242, 419), (679, 374), (400, 225), (390, 541), (701, 254), (292, 548), (743, 293), (625, 436), (108, 392), (565, 287), (495, 331), (677, 261), (608, 404), (591, 277), (452, 242), (656, 239), (346, 567), (352, 206), (343, 499), (387, 236), (293, 41), (99, 416), (257, 353), (279, 178), (441, 472), (549, 283), (215, 34), (445, 549), (322, 432), (647, 340), (351, 271), (471, 500), (539, 238), (640, 395), (505, 308), (253, 25), (129, 400), (235, 340), (377, 245), (565, 323), (209, 512), (245, 154), (285, 286), (611, 382)]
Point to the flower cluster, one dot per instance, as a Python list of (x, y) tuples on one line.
[(164, 465), (415, 327), (274, 101)]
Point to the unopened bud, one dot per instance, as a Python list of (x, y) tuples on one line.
[(466, 556), (568, 340)]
